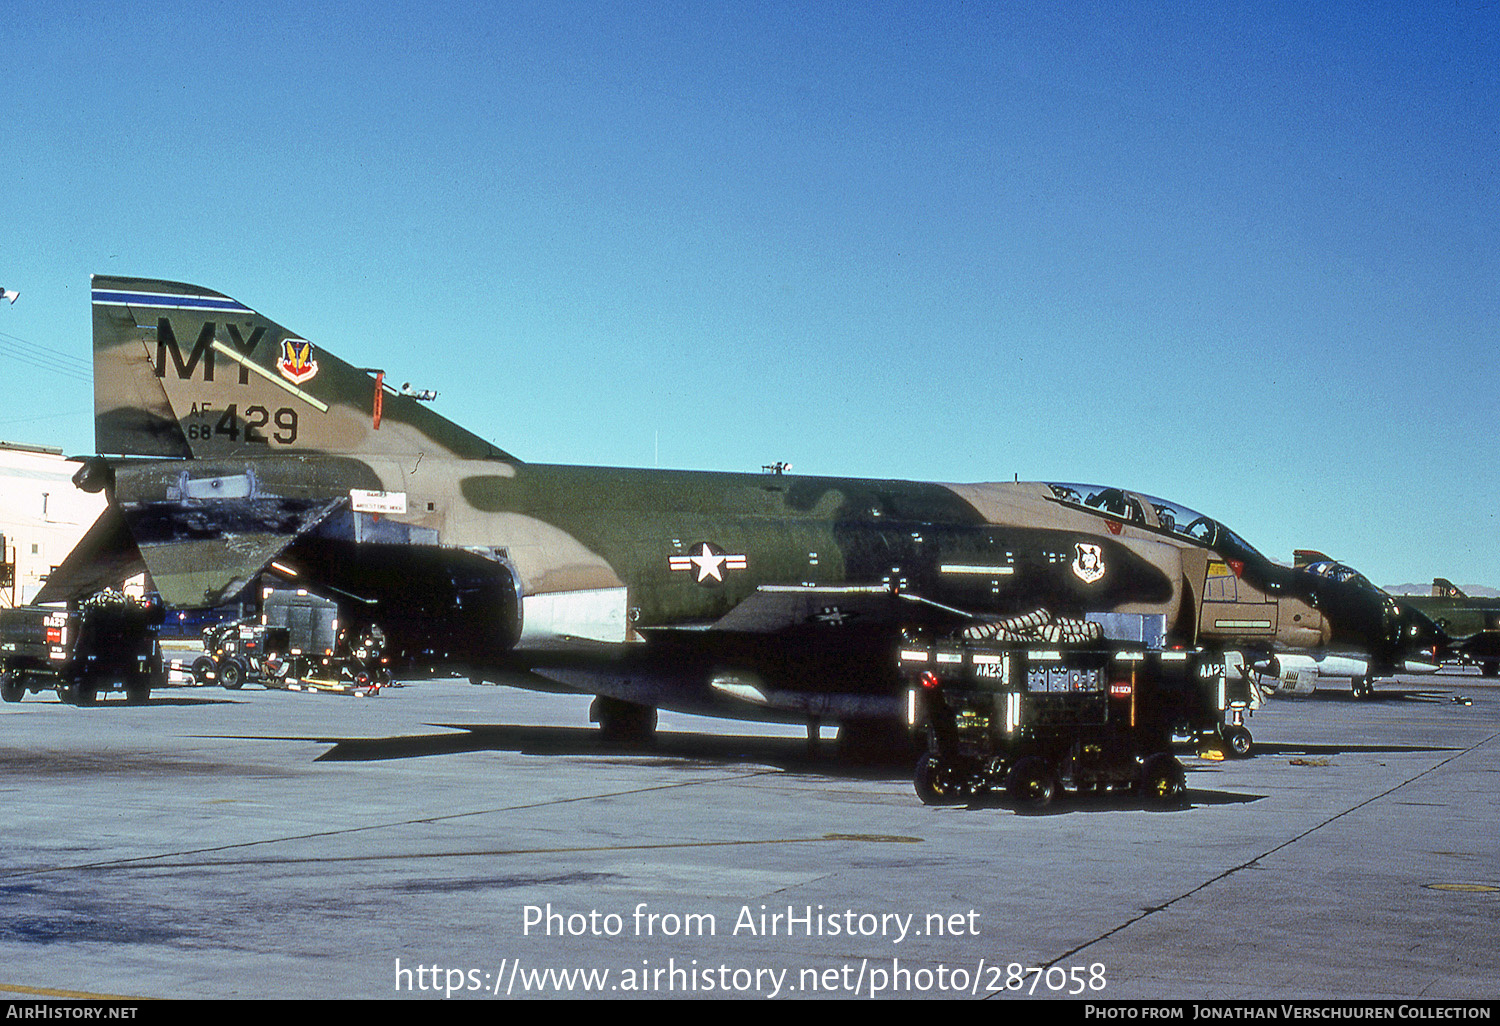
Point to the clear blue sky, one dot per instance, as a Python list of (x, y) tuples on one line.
[(1242, 256)]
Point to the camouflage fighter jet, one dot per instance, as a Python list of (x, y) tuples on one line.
[(1471, 621), (232, 449), (1299, 673), (1470, 624)]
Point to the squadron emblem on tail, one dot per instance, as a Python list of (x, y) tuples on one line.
[(296, 363)]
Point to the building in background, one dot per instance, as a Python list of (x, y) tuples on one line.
[(42, 516)]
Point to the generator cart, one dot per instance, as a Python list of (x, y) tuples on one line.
[(242, 651), (1031, 717), (295, 644), (109, 641)]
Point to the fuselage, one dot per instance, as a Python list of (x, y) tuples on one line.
[(605, 554)]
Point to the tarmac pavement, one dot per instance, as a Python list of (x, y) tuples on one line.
[(450, 840)]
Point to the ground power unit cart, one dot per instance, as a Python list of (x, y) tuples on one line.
[(1031, 717), (296, 644)]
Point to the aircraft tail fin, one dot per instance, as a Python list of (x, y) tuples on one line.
[(1306, 557), (182, 371), (1444, 588)]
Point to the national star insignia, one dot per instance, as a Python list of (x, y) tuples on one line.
[(709, 563)]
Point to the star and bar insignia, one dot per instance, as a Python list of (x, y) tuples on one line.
[(708, 562)]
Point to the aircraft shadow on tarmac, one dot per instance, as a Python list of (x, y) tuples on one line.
[(1263, 749), (194, 701), (1068, 803), (671, 750), (1378, 696), (114, 699), (668, 748)]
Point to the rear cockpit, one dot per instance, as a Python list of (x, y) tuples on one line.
[(1341, 573)]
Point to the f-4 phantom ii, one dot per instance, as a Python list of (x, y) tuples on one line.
[(232, 450), (1298, 673), (1472, 622)]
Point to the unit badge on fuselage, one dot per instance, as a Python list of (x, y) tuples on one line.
[(1088, 565), (708, 563), (296, 363)]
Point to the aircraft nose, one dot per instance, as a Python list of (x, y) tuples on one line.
[(1392, 623), (1421, 635), (1406, 632)]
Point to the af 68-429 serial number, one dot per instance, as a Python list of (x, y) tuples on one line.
[(259, 426)]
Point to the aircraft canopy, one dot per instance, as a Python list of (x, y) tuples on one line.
[(1156, 514)]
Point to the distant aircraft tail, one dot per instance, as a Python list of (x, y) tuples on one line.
[(1307, 557), (181, 371), (1444, 588)]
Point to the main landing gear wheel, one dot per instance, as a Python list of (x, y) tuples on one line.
[(11, 688), (938, 783), (623, 723), (1031, 782), (1238, 743), (1163, 781)]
